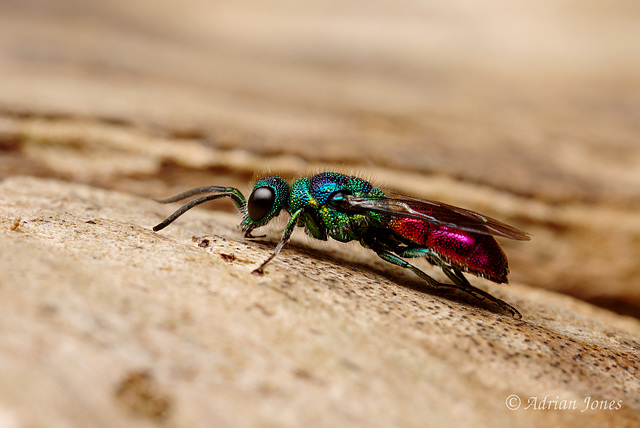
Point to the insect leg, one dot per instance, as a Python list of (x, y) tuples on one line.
[(459, 281), (455, 275), (462, 283), (286, 236), (409, 253), (392, 258)]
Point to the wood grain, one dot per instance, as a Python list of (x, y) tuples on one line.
[(525, 111)]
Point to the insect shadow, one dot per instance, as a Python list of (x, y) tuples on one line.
[(392, 275)]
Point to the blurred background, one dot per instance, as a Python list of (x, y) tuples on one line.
[(526, 111)]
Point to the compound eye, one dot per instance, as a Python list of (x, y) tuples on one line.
[(261, 202)]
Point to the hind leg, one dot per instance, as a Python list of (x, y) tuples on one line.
[(454, 274)]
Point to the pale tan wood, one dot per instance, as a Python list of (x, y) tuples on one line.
[(527, 112), (107, 323)]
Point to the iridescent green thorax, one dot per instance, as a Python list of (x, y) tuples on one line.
[(311, 194)]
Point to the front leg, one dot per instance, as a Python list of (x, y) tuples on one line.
[(286, 236)]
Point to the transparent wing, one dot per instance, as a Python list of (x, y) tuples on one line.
[(433, 212)]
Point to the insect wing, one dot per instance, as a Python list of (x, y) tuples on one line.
[(436, 213)]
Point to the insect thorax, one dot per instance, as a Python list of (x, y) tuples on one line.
[(312, 195)]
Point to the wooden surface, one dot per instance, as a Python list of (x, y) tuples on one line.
[(524, 111)]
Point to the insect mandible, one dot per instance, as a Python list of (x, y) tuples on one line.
[(347, 208)]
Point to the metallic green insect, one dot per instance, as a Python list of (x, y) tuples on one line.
[(347, 208)]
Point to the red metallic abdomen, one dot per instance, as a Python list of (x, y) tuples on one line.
[(477, 253)]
